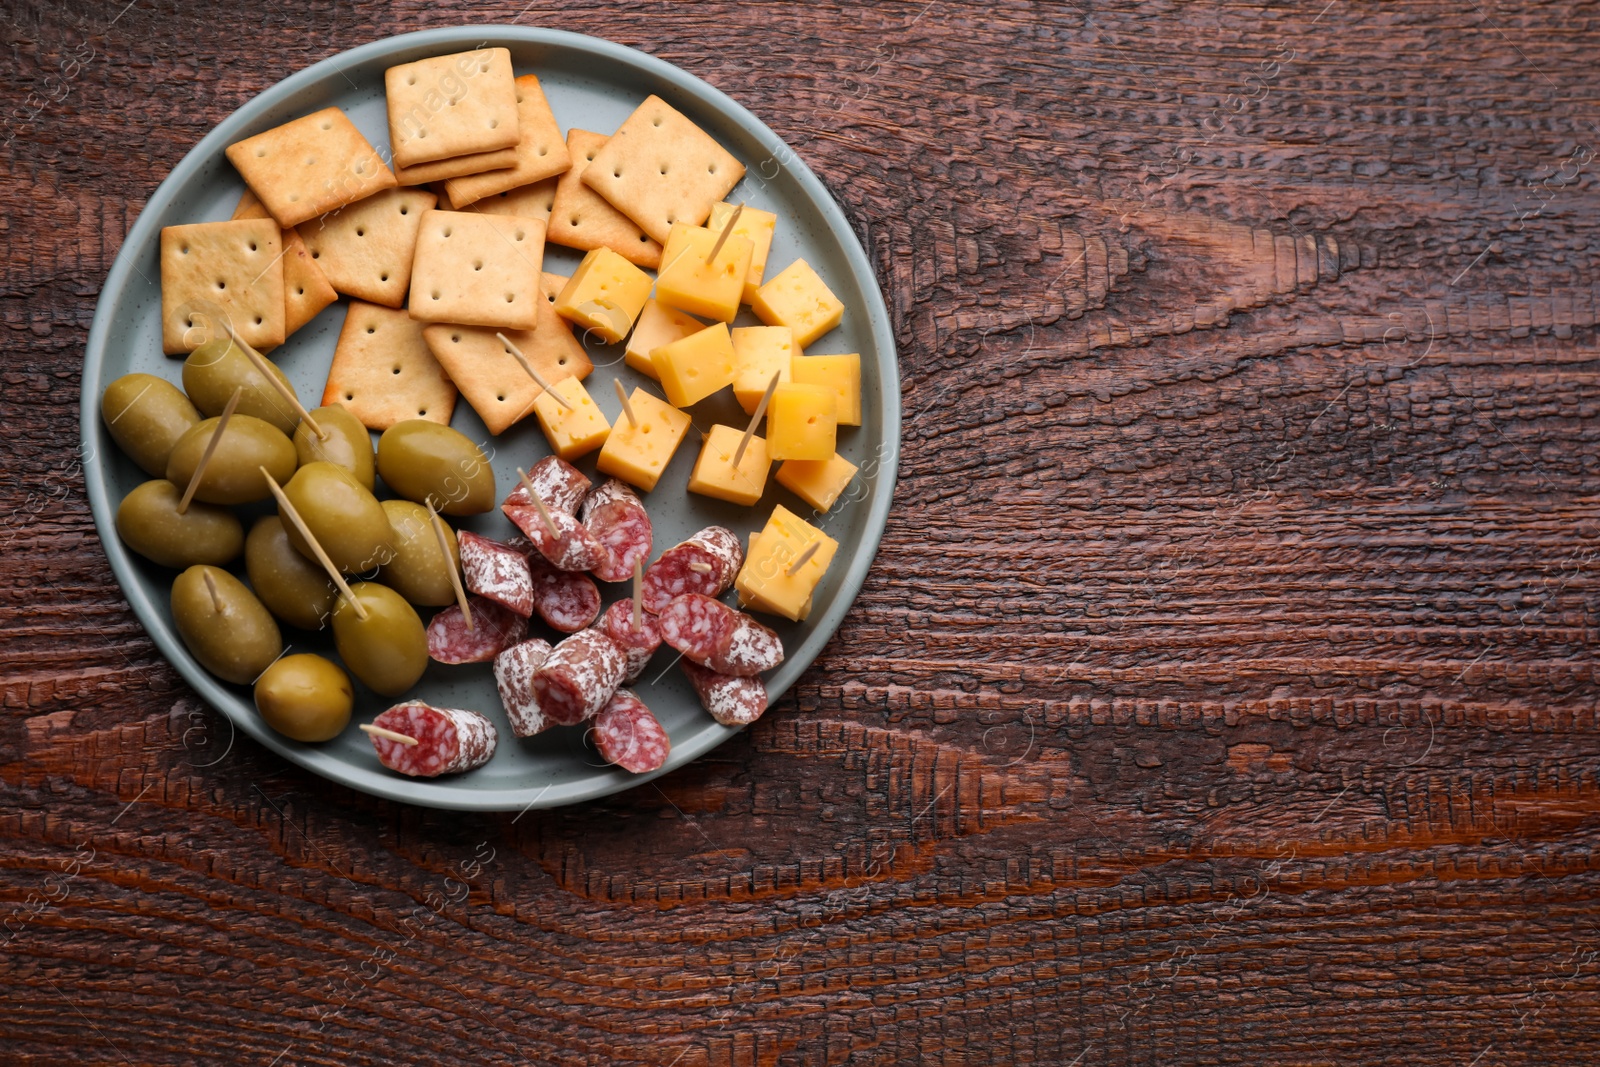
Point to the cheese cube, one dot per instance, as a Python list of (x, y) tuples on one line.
[(715, 474), (800, 422), (688, 282), (756, 601), (817, 481), (604, 295), (842, 374), (757, 352), (638, 454), (764, 582), (796, 298), (692, 368), (574, 431), (757, 227), (658, 325)]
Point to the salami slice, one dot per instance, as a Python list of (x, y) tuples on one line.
[(449, 740), (706, 563), (579, 677), (494, 629), (566, 600), (714, 635), (497, 571), (731, 701), (513, 676), (617, 519), (637, 645), (559, 484), (628, 735), (572, 548)]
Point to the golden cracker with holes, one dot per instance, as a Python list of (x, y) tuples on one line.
[(660, 168), (478, 270), (305, 288), (541, 153), (530, 201), (365, 249), (453, 105), (236, 266), (581, 218), (310, 166), (383, 371)]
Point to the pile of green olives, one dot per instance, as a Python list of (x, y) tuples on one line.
[(231, 626)]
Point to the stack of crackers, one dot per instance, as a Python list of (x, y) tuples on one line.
[(440, 248)]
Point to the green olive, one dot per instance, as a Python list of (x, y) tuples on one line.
[(305, 697), (419, 571), (215, 369), (226, 628), (234, 474), (388, 650), (145, 416), (344, 517), (423, 460), (348, 444), (148, 522), (293, 588)]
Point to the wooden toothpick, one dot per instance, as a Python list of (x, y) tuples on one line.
[(803, 558), (260, 363), (211, 448), (388, 735), (538, 502), (700, 568), (211, 587), (449, 565), (755, 420), (638, 595), (627, 405), (727, 231), (538, 378), (322, 557)]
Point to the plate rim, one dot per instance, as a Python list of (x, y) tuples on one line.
[(429, 792)]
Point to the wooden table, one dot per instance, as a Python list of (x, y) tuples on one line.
[(1224, 691)]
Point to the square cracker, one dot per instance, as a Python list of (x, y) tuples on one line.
[(491, 379), (551, 285), (476, 269), (530, 201), (660, 168), (451, 105), (305, 288), (456, 166), (236, 266), (310, 166), (366, 249), (541, 153), (383, 371), (581, 218)]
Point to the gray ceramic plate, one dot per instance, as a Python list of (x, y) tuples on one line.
[(592, 84)]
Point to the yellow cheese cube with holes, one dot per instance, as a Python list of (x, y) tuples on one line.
[(638, 454), (692, 368), (605, 295), (757, 227), (757, 352), (716, 475), (800, 422), (817, 481), (574, 431), (842, 374), (755, 600), (689, 282), (796, 298), (764, 581), (658, 325)]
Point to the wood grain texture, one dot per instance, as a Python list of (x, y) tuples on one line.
[(1224, 692)]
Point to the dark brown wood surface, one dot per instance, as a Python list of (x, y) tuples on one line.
[(1225, 689)]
